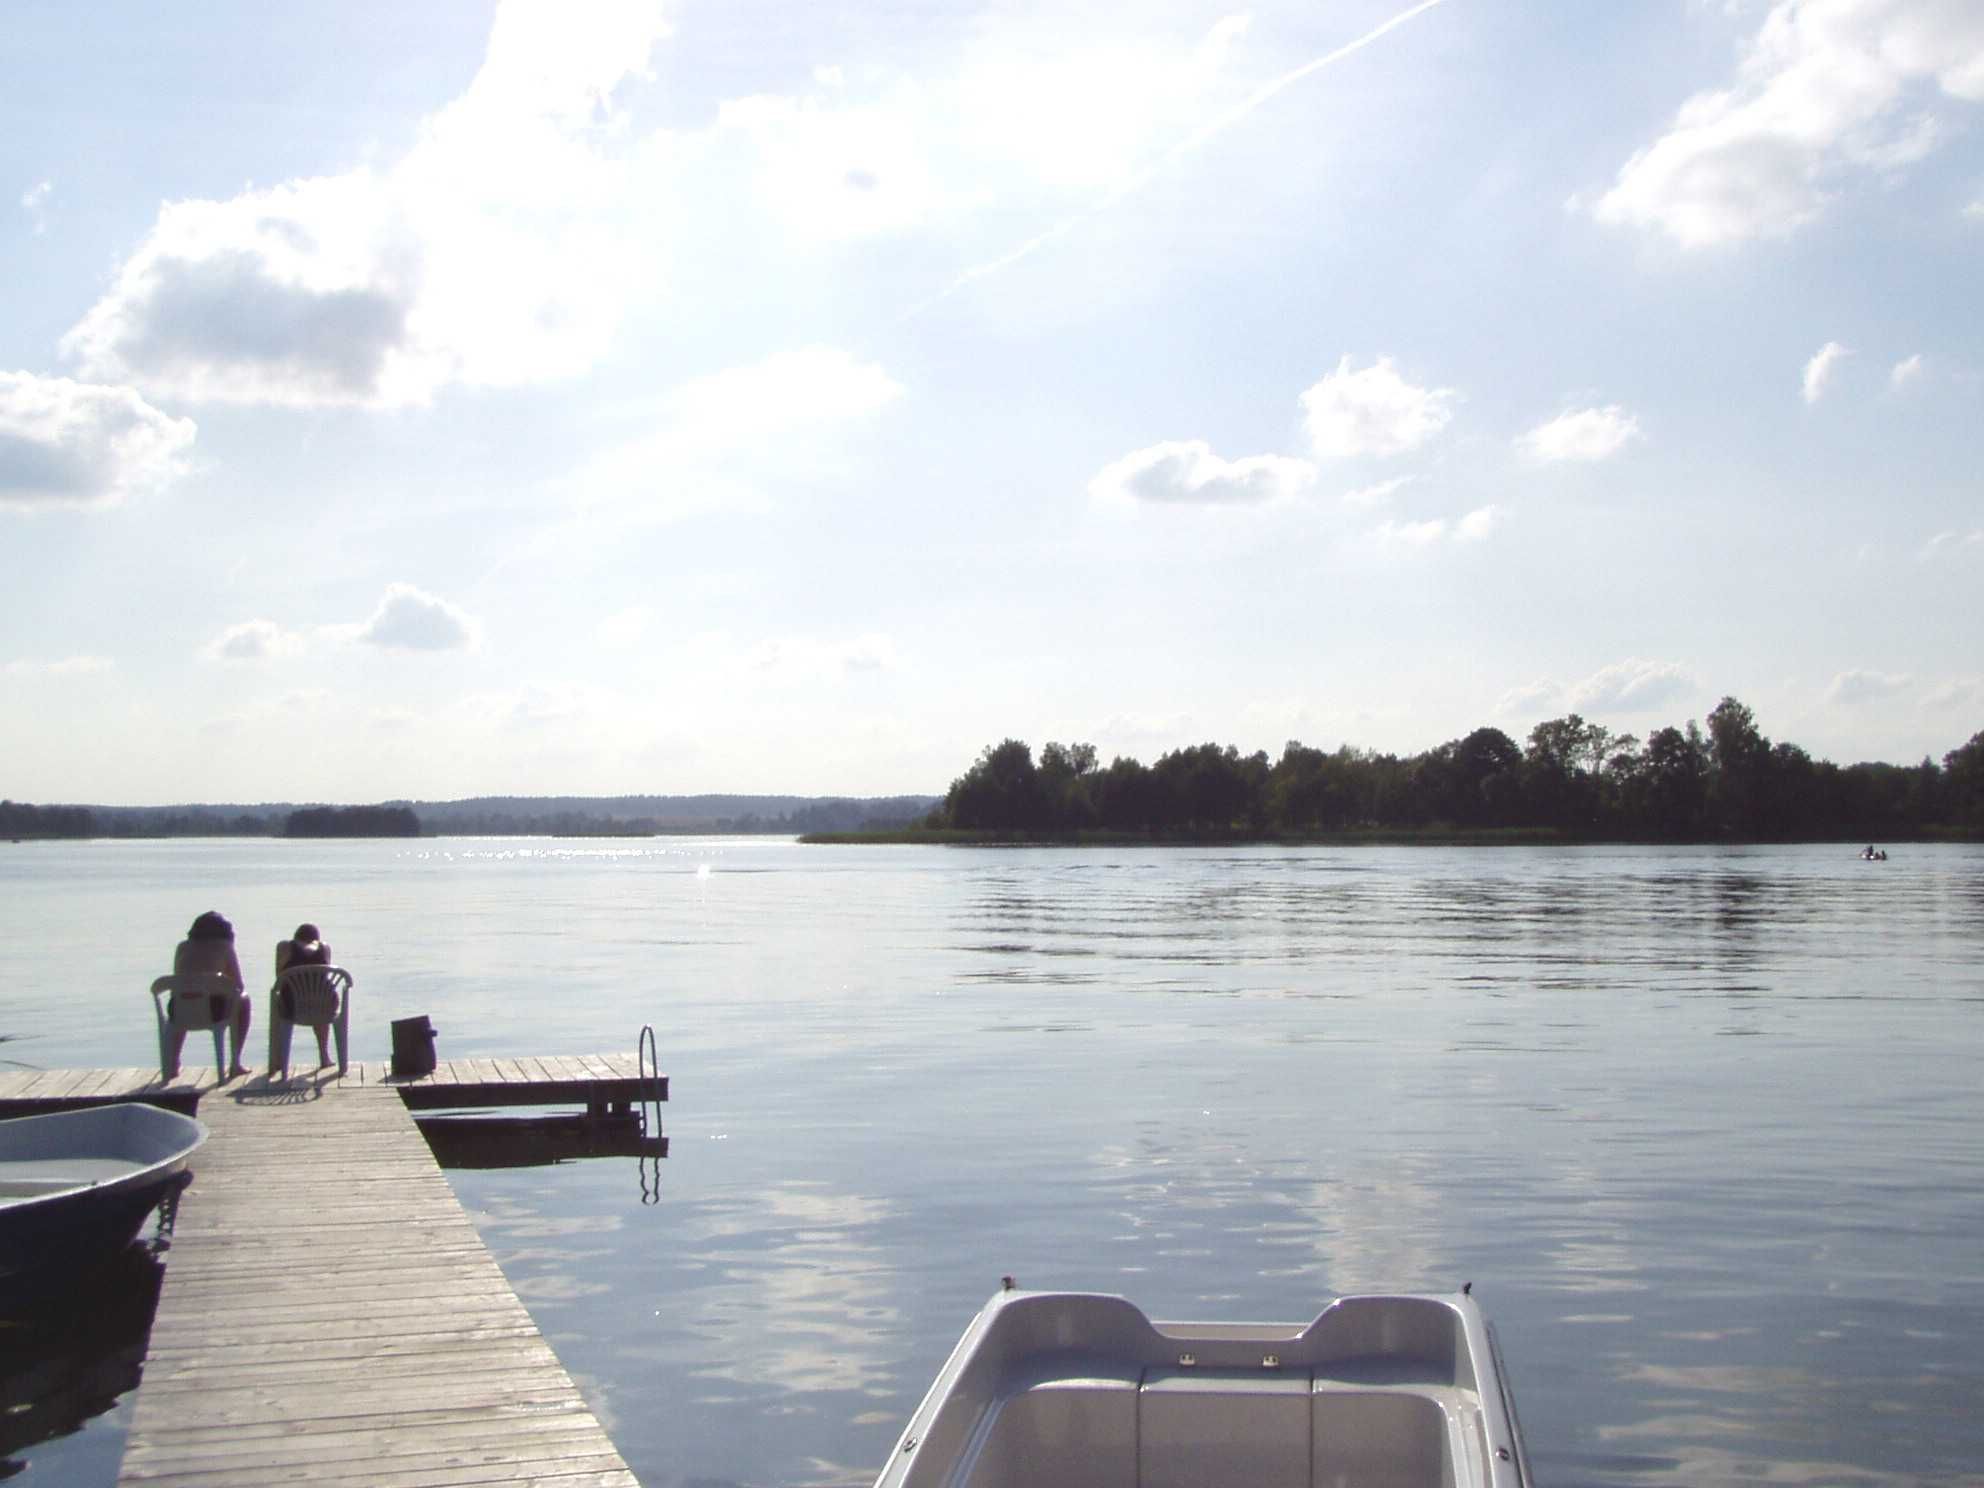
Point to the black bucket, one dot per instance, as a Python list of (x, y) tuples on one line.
[(413, 1046)]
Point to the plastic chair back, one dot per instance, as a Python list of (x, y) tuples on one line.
[(314, 996), (188, 1004)]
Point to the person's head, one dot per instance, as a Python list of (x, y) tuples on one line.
[(306, 934), (211, 926)]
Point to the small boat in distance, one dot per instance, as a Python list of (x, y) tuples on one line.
[(76, 1186), (1079, 1390)]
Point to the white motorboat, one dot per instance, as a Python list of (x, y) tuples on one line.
[(76, 1186), (1076, 1390)]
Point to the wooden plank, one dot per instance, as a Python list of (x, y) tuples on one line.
[(60, 1085), (330, 1461), (427, 1470), (589, 1079), (329, 1315), (28, 1084), (430, 1471)]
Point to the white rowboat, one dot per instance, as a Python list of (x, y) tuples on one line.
[(76, 1186), (1075, 1390)]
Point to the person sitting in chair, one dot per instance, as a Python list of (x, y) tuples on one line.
[(305, 948), (209, 949)]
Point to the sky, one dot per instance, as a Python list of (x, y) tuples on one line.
[(426, 401)]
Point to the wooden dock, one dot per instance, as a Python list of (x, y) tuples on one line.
[(597, 1081), (329, 1315)]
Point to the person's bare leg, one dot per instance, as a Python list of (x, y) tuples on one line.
[(323, 1032), (240, 1037)]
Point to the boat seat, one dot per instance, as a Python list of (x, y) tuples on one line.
[(1379, 1439), (1200, 1427), (1062, 1430)]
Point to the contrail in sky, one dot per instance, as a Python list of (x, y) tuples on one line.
[(1165, 161)]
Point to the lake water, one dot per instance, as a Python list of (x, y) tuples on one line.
[(1702, 1126)]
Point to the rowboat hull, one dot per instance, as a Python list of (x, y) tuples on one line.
[(77, 1186)]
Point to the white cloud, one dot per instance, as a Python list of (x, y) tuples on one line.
[(813, 658), (1431, 532), (1907, 372), (254, 640), (1477, 524), (1378, 494), (827, 168), (34, 201), (1819, 370), (1531, 698), (1589, 434), (1631, 686), (67, 666), (1854, 688), (78, 443), (476, 258), (1040, 112), (1975, 210), (625, 629), (812, 385), (1373, 412), (1821, 93), (410, 619), (1958, 692), (1410, 534), (711, 436), (1951, 543), (1140, 735), (1188, 473)]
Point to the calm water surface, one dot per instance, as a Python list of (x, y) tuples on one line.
[(1701, 1126)]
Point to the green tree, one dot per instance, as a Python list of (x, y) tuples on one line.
[(1000, 792), (1066, 801), (1673, 783), (1740, 763), (1963, 780)]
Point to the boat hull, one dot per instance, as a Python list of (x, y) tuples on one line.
[(77, 1186)]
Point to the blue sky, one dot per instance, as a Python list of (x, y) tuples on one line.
[(427, 401)]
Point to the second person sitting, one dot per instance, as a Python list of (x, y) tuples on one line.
[(305, 948)]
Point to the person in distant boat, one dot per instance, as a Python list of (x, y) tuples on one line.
[(305, 948), (208, 949)]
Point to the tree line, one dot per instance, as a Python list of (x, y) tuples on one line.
[(352, 821), (1571, 779), (18, 819), (505, 816)]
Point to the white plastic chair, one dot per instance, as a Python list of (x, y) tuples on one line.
[(316, 995), (187, 1004)]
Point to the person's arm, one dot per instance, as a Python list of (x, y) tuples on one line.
[(179, 958), (233, 970)]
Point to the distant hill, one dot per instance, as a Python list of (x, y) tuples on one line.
[(529, 816)]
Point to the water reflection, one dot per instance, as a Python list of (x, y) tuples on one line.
[(1700, 1125), (802, 1255), (69, 1358)]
